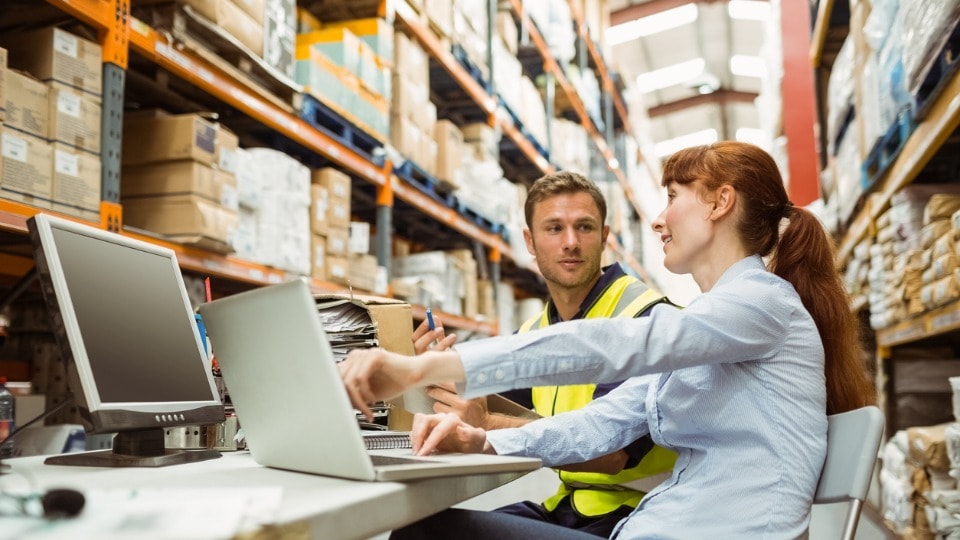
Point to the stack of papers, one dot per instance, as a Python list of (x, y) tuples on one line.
[(348, 326)]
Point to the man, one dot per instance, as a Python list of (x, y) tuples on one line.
[(565, 215)]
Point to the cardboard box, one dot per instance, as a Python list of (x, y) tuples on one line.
[(226, 153), (359, 237), (27, 104), (186, 218), (318, 257), (319, 209), (159, 136), (338, 213), (338, 241), (54, 55), (449, 141), (234, 20), (375, 32), (3, 83), (176, 178), (27, 174), (76, 182), (363, 272), (254, 8), (392, 318), (336, 182), (75, 119), (337, 269)]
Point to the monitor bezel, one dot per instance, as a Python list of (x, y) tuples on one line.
[(99, 416)]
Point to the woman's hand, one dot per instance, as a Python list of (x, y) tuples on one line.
[(371, 375), (446, 433), (425, 339)]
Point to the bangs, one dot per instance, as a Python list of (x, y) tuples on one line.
[(686, 166)]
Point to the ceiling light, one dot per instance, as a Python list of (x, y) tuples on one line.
[(697, 138), (747, 66), (749, 10), (659, 79), (652, 24)]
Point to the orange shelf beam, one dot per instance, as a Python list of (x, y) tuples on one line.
[(455, 322), (100, 14)]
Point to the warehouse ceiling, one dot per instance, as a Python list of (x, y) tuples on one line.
[(694, 65)]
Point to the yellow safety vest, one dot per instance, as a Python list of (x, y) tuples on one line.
[(596, 494)]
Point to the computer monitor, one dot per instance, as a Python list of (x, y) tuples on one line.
[(127, 332)]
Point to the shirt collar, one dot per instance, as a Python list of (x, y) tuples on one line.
[(610, 274), (752, 262)]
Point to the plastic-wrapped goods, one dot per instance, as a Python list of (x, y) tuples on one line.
[(926, 27), (894, 96), (896, 487), (554, 21), (878, 23), (840, 93)]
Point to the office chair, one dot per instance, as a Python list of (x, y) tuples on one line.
[(853, 441)]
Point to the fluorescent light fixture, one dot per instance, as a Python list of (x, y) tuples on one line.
[(747, 66), (659, 79), (752, 135), (652, 24), (749, 10), (697, 138)]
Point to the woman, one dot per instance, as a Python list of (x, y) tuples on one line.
[(744, 379)]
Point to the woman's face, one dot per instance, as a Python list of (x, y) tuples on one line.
[(684, 227)]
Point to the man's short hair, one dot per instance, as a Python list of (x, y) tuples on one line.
[(562, 183)]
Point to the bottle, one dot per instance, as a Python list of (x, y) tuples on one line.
[(7, 407)]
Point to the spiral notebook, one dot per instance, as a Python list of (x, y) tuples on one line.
[(386, 440), (283, 381)]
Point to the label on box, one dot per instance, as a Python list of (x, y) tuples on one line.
[(65, 43), (206, 136), (67, 163), (15, 148), (68, 103)]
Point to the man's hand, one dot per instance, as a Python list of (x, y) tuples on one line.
[(425, 339), (471, 411), (446, 433)]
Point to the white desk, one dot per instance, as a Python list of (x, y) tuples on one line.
[(322, 506)]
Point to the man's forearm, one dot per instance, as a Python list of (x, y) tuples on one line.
[(503, 421)]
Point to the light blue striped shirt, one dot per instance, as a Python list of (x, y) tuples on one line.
[(734, 383)]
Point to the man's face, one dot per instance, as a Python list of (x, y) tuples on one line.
[(567, 238)]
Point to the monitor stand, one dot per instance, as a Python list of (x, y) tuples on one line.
[(138, 448)]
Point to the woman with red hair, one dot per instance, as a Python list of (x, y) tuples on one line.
[(739, 383)]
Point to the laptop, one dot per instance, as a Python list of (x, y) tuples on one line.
[(291, 403)]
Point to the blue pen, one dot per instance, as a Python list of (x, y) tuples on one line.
[(430, 323)]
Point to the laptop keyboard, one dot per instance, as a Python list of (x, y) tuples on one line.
[(379, 460)]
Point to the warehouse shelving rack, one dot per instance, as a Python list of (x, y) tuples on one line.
[(120, 33)]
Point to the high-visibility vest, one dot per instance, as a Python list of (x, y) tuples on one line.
[(596, 494)]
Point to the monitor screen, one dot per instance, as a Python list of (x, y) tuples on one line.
[(126, 329)]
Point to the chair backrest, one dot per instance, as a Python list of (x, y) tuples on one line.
[(853, 440)]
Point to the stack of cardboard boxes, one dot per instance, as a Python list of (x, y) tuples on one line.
[(330, 226), (347, 65), (413, 117), (51, 127), (179, 178)]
